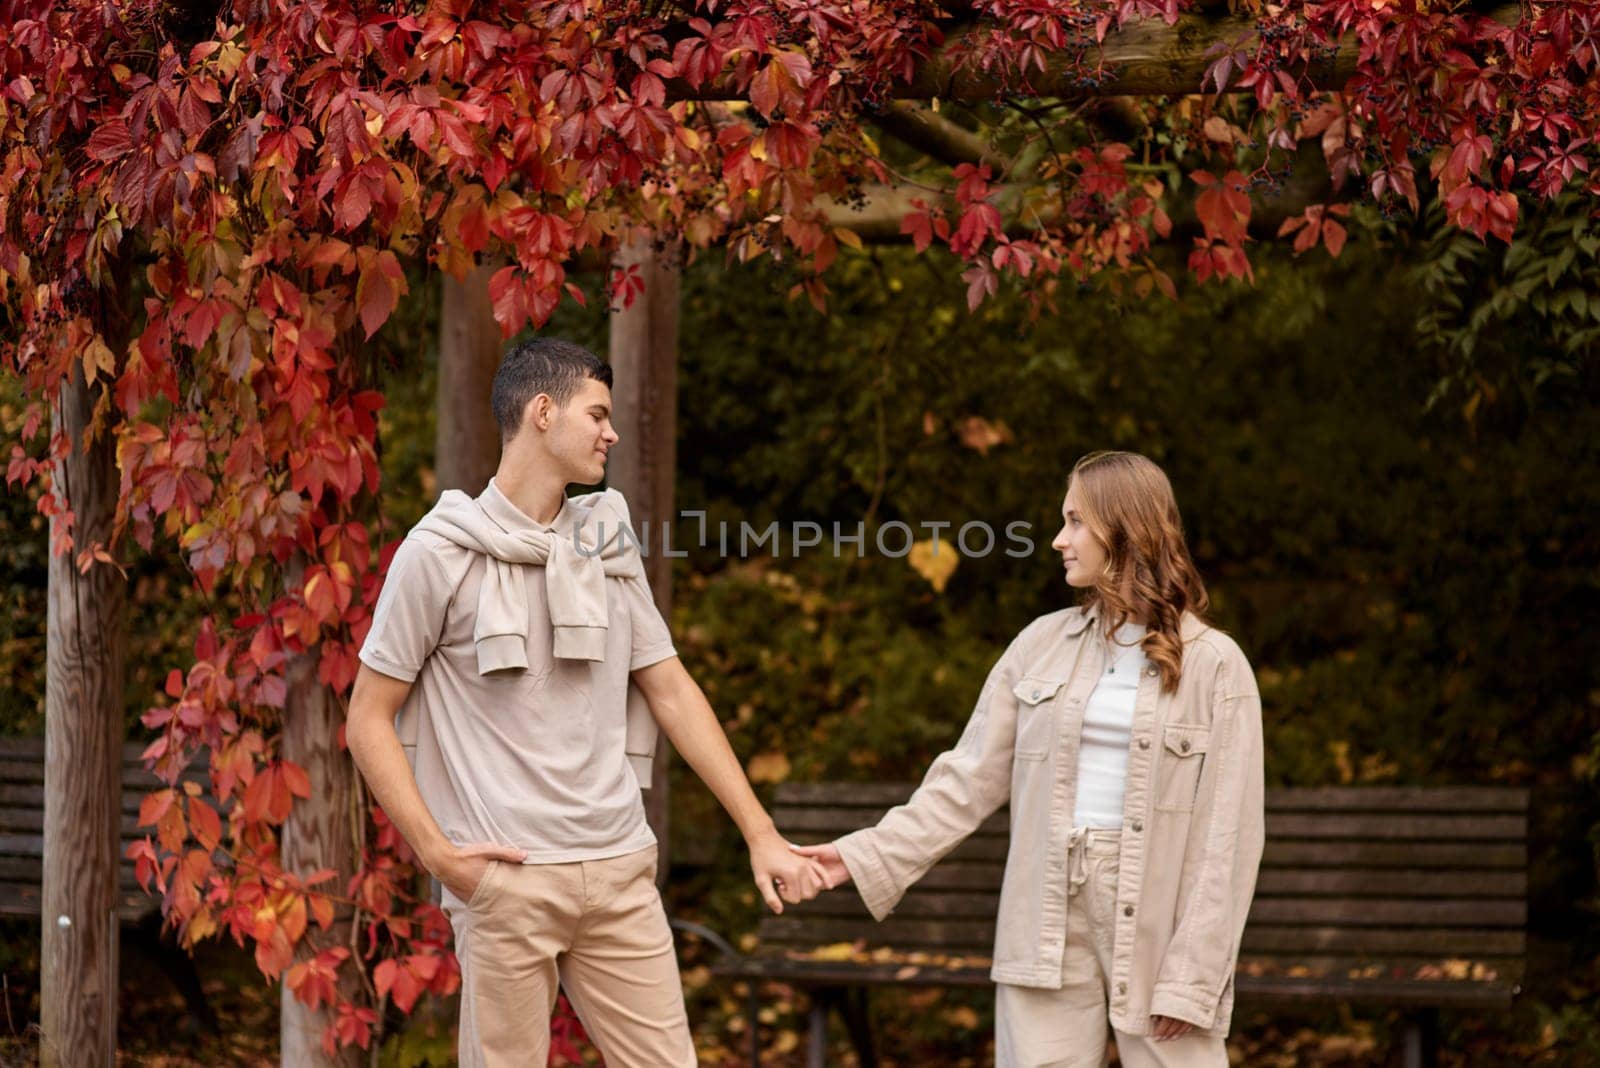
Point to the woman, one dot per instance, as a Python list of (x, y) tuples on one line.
[(1126, 735)]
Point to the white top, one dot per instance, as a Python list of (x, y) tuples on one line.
[(1108, 730)]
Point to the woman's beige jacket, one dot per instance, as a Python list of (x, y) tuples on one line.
[(1191, 824)]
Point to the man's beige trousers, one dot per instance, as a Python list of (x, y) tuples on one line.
[(595, 929), (1068, 1028)]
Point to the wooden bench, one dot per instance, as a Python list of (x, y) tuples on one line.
[(1410, 898), (22, 856)]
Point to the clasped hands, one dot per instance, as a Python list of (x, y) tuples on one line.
[(787, 873)]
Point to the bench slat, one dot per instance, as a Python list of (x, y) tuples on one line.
[(1445, 993), (1443, 942), (1259, 939), (1386, 912), (837, 821), (1400, 799), (1394, 826), (1406, 800), (1396, 855), (981, 907), (1284, 826), (1274, 989), (1363, 882), (980, 848)]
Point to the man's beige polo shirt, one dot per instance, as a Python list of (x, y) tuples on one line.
[(533, 759)]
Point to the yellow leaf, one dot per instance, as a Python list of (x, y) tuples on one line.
[(1340, 751), (962, 1016), (835, 951), (847, 237), (97, 357), (978, 433), (201, 926), (768, 767), (934, 561)]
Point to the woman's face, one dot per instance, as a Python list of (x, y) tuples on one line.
[(1081, 552)]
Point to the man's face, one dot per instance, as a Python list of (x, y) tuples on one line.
[(580, 433)]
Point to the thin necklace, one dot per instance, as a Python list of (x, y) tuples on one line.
[(1121, 653)]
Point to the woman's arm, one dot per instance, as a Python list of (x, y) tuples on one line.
[(962, 788)]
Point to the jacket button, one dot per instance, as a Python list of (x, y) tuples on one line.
[(1184, 745), (1138, 825), (1036, 695), (1144, 743), (1122, 988), (1127, 910)]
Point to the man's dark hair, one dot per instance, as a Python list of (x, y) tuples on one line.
[(543, 365)]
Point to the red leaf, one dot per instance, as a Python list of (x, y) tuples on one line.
[(109, 141), (378, 290), (296, 779), (204, 823), (918, 225), (155, 805), (1333, 235)]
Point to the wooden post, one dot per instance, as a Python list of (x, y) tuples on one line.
[(321, 832), (83, 756), (644, 358), (466, 438)]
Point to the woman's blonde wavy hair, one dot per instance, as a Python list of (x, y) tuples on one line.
[(1129, 507)]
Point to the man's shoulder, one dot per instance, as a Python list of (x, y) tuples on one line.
[(423, 552), (607, 503)]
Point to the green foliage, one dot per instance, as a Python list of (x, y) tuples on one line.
[(1512, 318)]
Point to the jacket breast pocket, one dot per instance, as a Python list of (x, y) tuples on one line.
[(1183, 754), (1036, 716)]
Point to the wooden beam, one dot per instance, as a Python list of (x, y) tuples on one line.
[(643, 464), (466, 444), (942, 138), (84, 653), (877, 218), (321, 832), (1144, 58)]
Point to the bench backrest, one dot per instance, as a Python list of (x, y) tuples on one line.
[(22, 826), (1357, 883)]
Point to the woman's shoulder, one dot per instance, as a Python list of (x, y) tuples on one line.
[(1049, 630), (1207, 646)]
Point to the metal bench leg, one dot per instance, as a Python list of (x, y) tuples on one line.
[(178, 967), (857, 1011), (753, 1009), (1421, 1041), (817, 1044)]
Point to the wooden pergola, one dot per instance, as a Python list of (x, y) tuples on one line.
[(84, 708)]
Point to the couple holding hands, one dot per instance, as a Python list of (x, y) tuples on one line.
[(517, 672)]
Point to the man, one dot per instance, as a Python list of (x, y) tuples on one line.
[(516, 652)]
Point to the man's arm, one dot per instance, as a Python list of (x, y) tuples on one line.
[(376, 749), (680, 707)]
